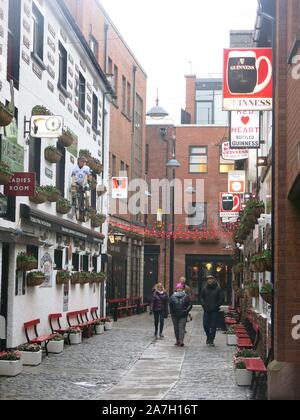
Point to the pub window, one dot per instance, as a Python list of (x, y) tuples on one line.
[(75, 262), (82, 91), (95, 112), (38, 33), (198, 160), (84, 263), (128, 99), (13, 42), (58, 259), (63, 67)]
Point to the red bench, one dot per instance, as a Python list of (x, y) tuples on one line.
[(42, 339), (94, 314), (55, 319)]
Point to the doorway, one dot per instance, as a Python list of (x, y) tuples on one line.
[(4, 288), (151, 275), (198, 267)]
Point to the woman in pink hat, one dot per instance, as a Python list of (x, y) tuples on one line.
[(180, 306)]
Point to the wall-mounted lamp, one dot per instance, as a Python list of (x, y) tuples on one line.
[(262, 161)]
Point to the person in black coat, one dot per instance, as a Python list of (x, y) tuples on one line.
[(160, 300), (180, 307), (212, 298)]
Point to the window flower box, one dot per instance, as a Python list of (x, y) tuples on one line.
[(109, 324), (75, 336), (10, 364), (26, 262)]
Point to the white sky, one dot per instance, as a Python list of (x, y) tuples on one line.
[(172, 38)]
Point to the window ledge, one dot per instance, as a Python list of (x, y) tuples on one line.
[(82, 114), (63, 90), (38, 61)]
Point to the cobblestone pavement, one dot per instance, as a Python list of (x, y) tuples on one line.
[(127, 364)]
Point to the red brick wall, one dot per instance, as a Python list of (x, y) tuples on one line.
[(287, 215), (190, 101)]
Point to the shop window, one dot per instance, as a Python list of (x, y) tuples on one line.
[(58, 259)]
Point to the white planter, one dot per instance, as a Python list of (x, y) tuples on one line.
[(10, 368), (56, 347), (76, 338), (31, 358), (109, 325), (231, 340), (99, 329), (243, 377)]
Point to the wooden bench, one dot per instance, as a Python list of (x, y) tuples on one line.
[(37, 339), (55, 325), (75, 320), (94, 314)]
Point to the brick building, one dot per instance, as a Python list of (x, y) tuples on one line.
[(198, 151), (127, 137)]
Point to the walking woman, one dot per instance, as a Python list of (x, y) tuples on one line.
[(160, 301), (180, 307)]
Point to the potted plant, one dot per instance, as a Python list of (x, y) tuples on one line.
[(56, 345), (53, 194), (75, 335), (52, 154), (40, 110), (231, 337), (31, 354), (6, 115), (266, 293), (101, 190), (96, 166), (100, 324), (63, 277), (67, 138), (10, 363), (5, 173), (40, 196), (242, 376), (253, 290), (75, 278), (63, 206), (246, 354), (109, 323), (97, 219), (35, 278), (26, 262)]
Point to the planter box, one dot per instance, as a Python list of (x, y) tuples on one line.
[(56, 347), (31, 358), (99, 329), (231, 340), (10, 368), (109, 325), (76, 338), (243, 377)]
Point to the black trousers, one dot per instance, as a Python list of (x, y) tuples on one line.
[(159, 320)]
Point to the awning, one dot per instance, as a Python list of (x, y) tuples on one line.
[(59, 225)]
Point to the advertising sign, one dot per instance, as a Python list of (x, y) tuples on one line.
[(233, 154), (237, 182), (244, 130), (119, 187), (46, 126), (22, 184), (248, 83), (230, 207)]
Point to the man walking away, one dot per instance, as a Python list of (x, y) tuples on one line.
[(180, 306), (212, 298)]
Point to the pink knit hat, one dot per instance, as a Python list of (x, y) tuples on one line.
[(179, 286)]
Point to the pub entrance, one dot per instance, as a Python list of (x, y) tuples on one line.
[(198, 267)]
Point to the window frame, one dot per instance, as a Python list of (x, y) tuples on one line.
[(198, 154), (63, 68), (38, 35)]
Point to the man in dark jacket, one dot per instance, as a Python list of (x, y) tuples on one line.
[(180, 306), (212, 298)]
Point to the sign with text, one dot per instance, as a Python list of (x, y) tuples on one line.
[(237, 182), (244, 130), (119, 187), (230, 207), (22, 184), (248, 79), (46, 126), (233, 154)]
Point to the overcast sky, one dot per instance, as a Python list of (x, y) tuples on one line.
[(172, 38)]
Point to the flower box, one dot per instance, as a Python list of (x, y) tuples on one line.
[(231, 340), (35, 279), (26, 262), (108, 325), (243, 377), (100, 329), (76, 337), (6, 116), (31, 358), (10, 367), (55, 347)]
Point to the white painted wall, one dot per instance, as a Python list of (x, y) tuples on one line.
[(39, 302)]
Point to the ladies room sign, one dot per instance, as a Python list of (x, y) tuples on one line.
[(248, 79)]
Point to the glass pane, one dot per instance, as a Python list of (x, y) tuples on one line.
[(198, 169), (205, 95), (224, 169), (204, 112), (198, 159), (198, 150)]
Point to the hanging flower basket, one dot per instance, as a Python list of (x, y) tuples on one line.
[(5, 173), (52, 155), (63, 206), (266, 293), (40, 196), (66, 139), (267, 297), (6, 116), (101, 190), (97, 220), (40, 110), (253, 292), (96, 166), (62, 277), (53, 194), (26, 262), (35, 278)]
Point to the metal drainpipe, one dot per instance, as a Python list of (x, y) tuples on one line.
[(133, 119), (106, 28)]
